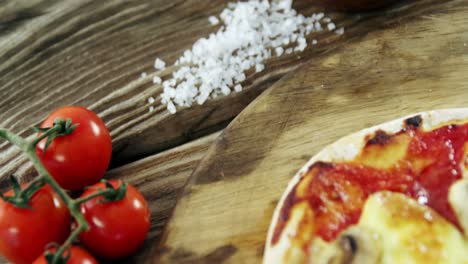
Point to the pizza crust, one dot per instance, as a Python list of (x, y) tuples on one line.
[(345, 149)]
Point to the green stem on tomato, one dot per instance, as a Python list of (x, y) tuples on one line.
[(71, 204), (82, 227), (56, 128), (93, 195), (29, 148), (32, 187)]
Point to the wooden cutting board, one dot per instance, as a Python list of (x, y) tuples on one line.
[(224, 213)]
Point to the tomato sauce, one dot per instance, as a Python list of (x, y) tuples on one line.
[(337, 191)]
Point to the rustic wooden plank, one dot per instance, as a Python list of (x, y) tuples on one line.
[(226, 208), (91, 53)]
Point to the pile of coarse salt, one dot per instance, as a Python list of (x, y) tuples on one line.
[(251, 33)]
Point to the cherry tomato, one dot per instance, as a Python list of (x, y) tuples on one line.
[(117, 228), (77, 256), (80, 158), (24, 233)]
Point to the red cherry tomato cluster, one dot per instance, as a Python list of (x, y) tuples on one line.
[(77, 160)]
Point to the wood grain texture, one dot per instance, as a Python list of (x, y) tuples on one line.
[(419, 64), (92, 53)]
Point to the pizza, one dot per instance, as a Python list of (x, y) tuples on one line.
[(393, 193)]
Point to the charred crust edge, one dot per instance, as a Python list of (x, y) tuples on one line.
[(379, 138), (320, 165), (283, 216), (413, 122)]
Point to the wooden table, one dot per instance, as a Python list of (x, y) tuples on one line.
[(91, 53)]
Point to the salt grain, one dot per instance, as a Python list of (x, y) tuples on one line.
[(240, 77), (301, 44), (157, 80), (143, 75), (331, 26), (159, 64), (319, 16), (318, 26), (151, 109), (259, 67), (171, 107), (213, 20), (150, 100), (251, 32), (279, 51), (340, 31), (225, 90)]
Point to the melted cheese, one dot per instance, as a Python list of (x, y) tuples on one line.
[(301, 219), (412, 233), (458, 197), (384, 156)]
